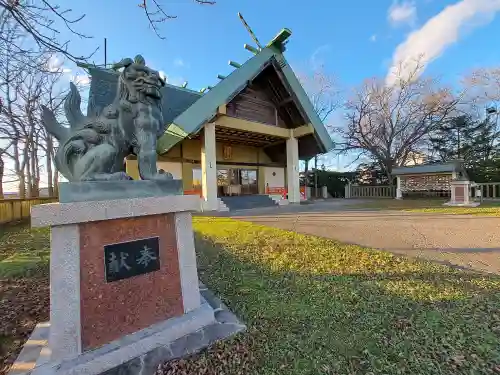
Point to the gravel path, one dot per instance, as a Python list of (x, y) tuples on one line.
[(462, 240)]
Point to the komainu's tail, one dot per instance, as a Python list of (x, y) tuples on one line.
[(73, 113), (72, 108), (53, 126)]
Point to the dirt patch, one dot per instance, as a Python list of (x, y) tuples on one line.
[(23, 303)]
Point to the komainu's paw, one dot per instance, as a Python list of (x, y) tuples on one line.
[(108, 177), (162, 175)]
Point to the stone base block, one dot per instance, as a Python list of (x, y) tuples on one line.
[(220, 206), (456, 204), (138, 353), (278, 199), (86, 191)]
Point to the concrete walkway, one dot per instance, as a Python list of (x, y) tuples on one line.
[(462, 240)]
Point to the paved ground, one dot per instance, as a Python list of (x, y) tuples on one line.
[(462, 240)]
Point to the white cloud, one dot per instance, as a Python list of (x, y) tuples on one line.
[(441, 31), (80, 79), (402, 13), (373, 38), (316, 60), (54, 64), (176, 81), (179, 62)]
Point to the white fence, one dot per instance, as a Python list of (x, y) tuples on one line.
[(489, 190), (357, 191)]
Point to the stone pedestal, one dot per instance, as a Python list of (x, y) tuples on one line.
[(460, 194), (124, 286)]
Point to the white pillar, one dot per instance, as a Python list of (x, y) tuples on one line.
[(292, 169), (309, 192), (209, 168), (399, 193), (347, 191), (324, 192)]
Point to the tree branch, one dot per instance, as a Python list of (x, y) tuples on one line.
[(156, 14)]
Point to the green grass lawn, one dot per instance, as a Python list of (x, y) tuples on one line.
[(23, 251), (429, 205), (24, 292), (316, 306)]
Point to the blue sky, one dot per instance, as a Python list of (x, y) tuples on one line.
[(353, 39)]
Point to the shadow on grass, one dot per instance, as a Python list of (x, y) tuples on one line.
[(24, 302), (362, 215), (307, 321)]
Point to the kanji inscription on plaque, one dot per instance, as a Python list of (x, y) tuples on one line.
[(132, 258)]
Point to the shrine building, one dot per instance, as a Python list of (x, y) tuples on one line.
[(243, 136)]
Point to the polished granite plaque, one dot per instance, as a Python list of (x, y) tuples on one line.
[(132, 258)]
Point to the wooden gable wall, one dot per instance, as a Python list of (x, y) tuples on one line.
[(253, 104)]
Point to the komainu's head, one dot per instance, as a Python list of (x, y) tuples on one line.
[(137, 82)]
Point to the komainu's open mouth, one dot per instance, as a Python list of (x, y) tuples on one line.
[(153, 92)]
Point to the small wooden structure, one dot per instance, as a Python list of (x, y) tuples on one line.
[(428, 179)]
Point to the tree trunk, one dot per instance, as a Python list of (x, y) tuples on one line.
[(56, 183), (2, 166), (19, 171), (22, 186), (306, 171), (50, 183), (316, 176), (306, 167), (35, 172), (29, 180), (37, 181)]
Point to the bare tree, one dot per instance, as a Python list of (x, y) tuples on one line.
[(10, 71), (324, 92), (27, 82), (53, 99), (20, 127), (387, 123), (482, 97), (483, 87), (41, 20), (2, 172), (156, 14)]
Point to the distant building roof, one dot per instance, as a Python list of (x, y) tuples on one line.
[(452, 166)]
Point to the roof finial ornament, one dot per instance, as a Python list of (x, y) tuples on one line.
[(250, 31)]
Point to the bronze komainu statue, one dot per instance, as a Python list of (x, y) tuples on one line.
[(94, 148)]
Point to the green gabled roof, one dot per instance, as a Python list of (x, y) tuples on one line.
[(449, 167), (324, 138), (192, 119)]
